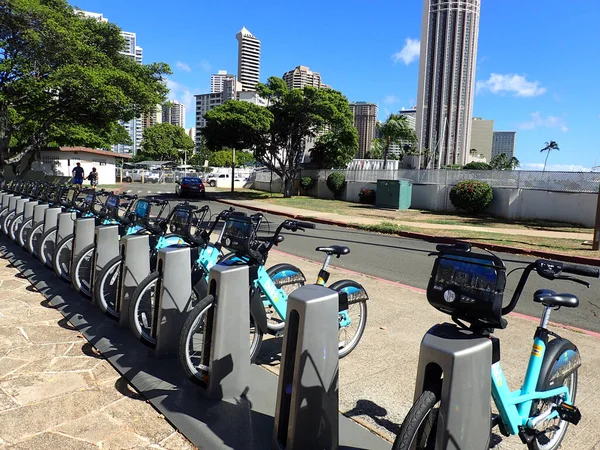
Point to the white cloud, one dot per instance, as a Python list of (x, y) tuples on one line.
[(556, 167), (205, 65), (390, 100), (516, 85), (538, 121), (183, 66), (409, 53)]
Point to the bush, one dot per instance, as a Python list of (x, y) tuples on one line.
[(336, 182), (471, 195), (475, 165), (367, 196), (307, 183)]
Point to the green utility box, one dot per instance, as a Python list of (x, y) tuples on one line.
[(396, 194)]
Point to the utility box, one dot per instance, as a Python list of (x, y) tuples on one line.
[(396, 194)]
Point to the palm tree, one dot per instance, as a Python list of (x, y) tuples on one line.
[(552, 145), (502, 162), (395, 130)]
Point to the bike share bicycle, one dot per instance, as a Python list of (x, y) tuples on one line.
[(34, 193), (33, 234), (266, 292), (459, 364)]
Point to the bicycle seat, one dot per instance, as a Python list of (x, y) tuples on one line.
[(334, 250), (550, 298)]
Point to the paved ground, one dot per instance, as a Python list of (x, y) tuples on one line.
[(56, 391)]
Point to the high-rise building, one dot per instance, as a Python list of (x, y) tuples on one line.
[(216, 81), (153, 117), (504, 142), (248, 70), (302, 76), (173, 112), (482, 132), (411, 119), (449, 35), (365, 120), (131, 48)]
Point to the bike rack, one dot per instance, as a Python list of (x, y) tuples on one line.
[(6, 199), (464, 418), (39, 213), (83, 236), (306, 412), (106, 239), (226, 334), (66, 225), (51, 218), (21, 205), (174, 289), (136, 266)]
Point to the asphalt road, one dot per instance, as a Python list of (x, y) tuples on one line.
[(406, 261)]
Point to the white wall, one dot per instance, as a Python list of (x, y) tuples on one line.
[(68, 160)]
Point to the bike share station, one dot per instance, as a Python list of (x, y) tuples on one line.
[(240, 405)]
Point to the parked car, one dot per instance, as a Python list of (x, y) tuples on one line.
[(190, 186), (135, 175), (211, 179)]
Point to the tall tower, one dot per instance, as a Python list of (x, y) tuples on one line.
[(449, 35), (248, 59), (365, 120)]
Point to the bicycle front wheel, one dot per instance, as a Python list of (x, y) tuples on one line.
[(23, 231), (14, 226), (62, 258), (142, 309), (107, 286), (352, 321), (288, 278), (47, 246), (419, 429), (81, 275), (33, 239), (7, 220)]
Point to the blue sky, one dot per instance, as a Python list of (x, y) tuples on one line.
[(537, 71)]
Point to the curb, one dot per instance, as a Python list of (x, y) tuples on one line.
[(434, 239)]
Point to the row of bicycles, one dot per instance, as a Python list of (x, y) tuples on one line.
[(228, 237)]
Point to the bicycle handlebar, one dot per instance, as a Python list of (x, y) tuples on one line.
[(583, 271)]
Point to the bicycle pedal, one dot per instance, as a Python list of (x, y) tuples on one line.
[(569, 413)]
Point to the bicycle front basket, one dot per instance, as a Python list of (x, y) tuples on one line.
[(468, 286), (238, 233)]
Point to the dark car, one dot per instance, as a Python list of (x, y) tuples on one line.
[(190, 186)]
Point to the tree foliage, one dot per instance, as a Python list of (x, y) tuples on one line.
[(336, 182), (395, 130), (503, 162), (471, 195), (477, 165), (162, 142), (223, 158), (63, 80), (278, 133)]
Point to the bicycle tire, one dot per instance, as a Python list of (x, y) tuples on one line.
[(291, 279), (102, 285), (7, 220), (14, 226), (357, 297), (81, 276), (47, 247), (23, 231), (189, 363), (412, 427), (62, 258), (33, 238), (137, 315)]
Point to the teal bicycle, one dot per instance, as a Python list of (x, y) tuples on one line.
[(469, 287)]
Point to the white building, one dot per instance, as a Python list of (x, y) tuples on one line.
[(173, 112), (216, 81), (248, 70), (302, 76), (449, 35), (504, 142), (61, 161)]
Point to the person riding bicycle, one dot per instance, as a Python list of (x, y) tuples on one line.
[(93, 178), (78, 175)]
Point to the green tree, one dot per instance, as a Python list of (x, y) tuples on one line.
[(376, 150), (477, 165), (395, 130), (277, 134), (223, 158), (63, 81), (162, 142), (552, 145), (503, 162)]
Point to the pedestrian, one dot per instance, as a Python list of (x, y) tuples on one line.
[(78, 175), (93, 178)]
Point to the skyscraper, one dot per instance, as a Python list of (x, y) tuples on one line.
[(449, 34), (174, 113), (481, 138), (365, 119), (153, 117), (248, 71), (216, 81), (302, 76), (504, 142)]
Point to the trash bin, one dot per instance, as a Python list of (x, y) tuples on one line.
[(396, 194)]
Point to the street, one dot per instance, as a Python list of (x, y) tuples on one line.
[(407, 261)]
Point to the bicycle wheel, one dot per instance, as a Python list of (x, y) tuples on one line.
[(62, 258), (353, 321), (193, 342), (81, 273), (14, 226), (7, 220), (35, 234), (419, 429), (23, 231), (141, 309), (552, 432), (286, 277), (106, 289), (47, 246)]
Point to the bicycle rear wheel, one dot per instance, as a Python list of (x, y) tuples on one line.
[(353, 321)]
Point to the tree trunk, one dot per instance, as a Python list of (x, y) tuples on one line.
[(288, 184), (385, 153)]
